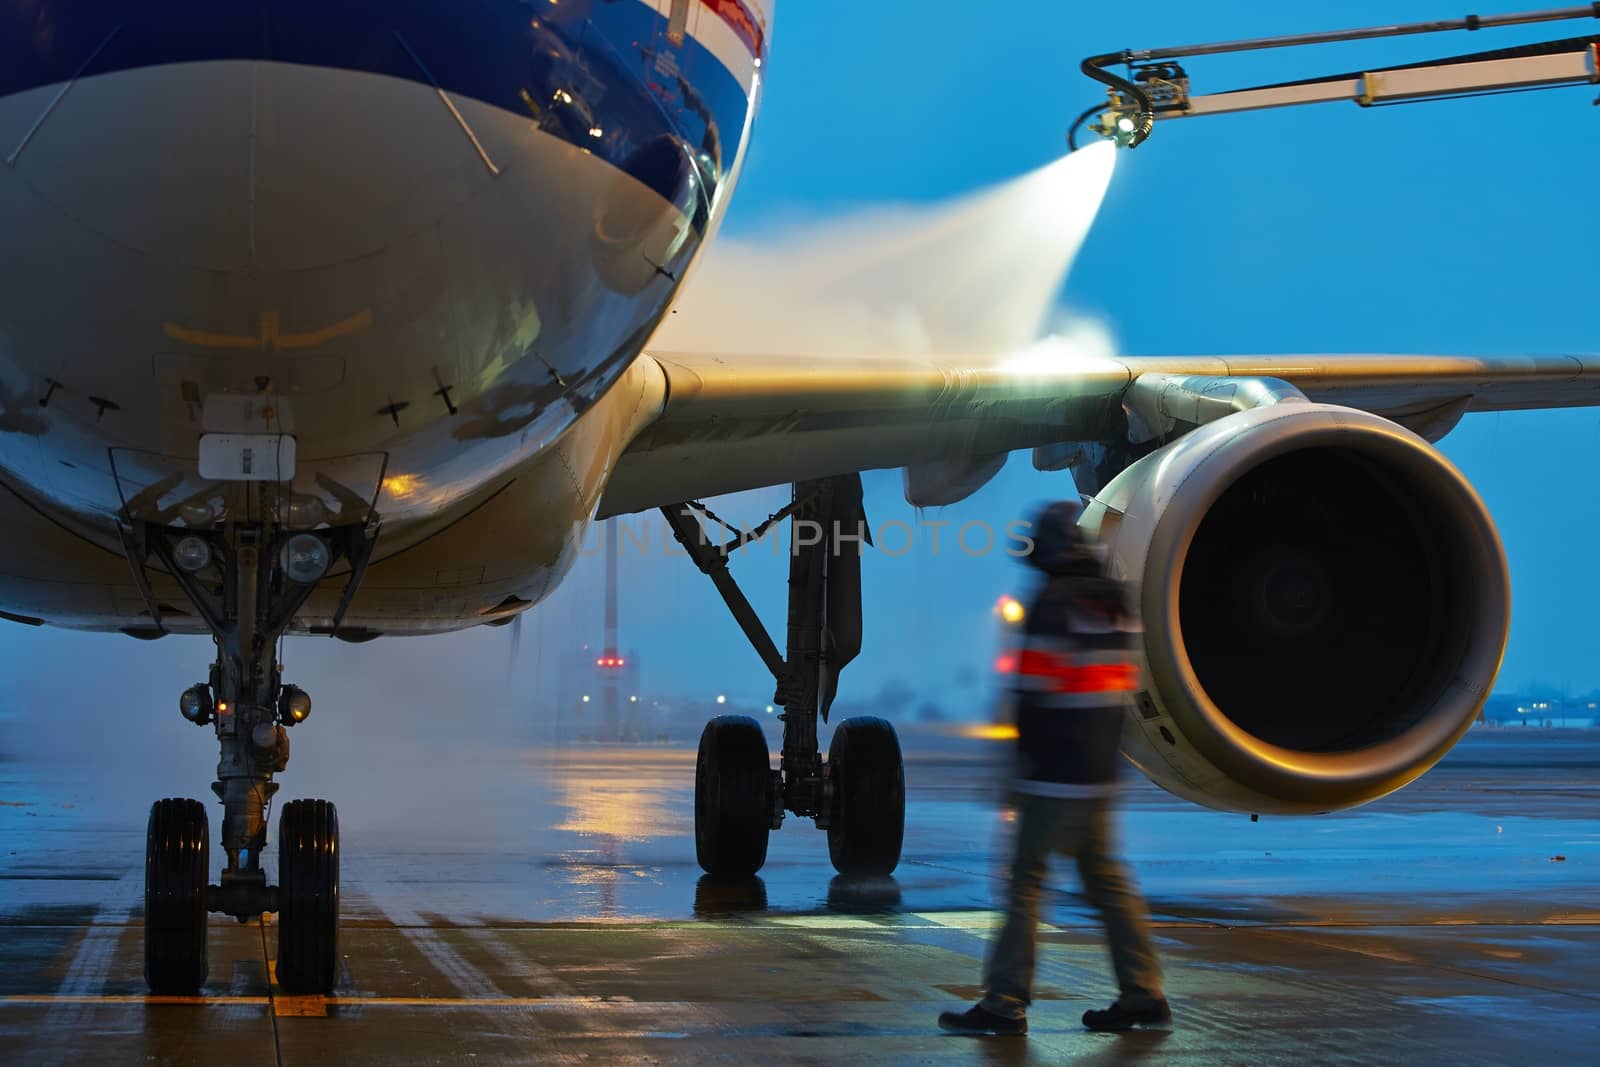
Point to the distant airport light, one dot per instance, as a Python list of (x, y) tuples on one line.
[(633, 700), (721, 699), (1010, 609), (586, 698), (769, 708)]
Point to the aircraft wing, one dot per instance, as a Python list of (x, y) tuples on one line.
[(731, 423)]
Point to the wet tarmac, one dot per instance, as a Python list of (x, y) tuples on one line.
[(546, 907)]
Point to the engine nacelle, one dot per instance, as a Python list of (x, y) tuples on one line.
[(1325, 605)]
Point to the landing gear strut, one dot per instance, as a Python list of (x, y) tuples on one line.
[(247, 580), (858, 794)]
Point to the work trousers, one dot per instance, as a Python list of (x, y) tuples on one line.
[(1080, 829)]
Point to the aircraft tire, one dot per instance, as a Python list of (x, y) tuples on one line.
[(177, 866), (308, 902), (868, 820), (732, 797)]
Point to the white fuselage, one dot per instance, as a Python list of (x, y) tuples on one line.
[(430, 251)]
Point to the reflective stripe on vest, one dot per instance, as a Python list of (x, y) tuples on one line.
[(1076, 674)]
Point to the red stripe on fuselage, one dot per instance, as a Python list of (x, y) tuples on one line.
[(743, 22)]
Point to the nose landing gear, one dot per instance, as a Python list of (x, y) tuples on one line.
[(177, 898), (247, 581)]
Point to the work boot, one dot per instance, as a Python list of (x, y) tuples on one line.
[(980, 1020), (1156, 1013)]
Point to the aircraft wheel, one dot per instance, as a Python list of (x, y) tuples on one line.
[(308, 901), (732, 797), (868, 820), (177, 866)]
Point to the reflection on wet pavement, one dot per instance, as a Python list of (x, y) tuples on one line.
[(549, 900)]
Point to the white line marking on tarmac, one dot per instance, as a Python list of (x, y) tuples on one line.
[(530, 970), (85, 980), (467, 979)]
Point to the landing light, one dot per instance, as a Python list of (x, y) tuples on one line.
[(721, 699), (304, 558), (197, 515), (294, 705), (191, 553), (195, 704)]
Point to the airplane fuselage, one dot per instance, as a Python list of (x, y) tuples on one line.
[(425, 240)]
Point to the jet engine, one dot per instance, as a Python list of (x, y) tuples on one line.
[(1325, 604)]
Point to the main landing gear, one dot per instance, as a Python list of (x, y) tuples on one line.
[(858, 794), (247, 580)]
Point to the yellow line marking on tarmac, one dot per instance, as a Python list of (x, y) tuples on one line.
[(309, 1007), (128, 998)]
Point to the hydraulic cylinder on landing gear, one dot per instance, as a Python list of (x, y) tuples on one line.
[(254, 748)]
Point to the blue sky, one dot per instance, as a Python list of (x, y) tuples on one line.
[(1449, 227)]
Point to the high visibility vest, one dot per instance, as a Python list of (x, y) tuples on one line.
[(1073, 678)]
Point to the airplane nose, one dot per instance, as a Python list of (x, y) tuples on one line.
[(243, 165)]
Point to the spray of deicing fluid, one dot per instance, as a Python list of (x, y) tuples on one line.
[(974, 278)]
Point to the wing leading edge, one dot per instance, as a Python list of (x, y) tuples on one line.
[(733, 423)]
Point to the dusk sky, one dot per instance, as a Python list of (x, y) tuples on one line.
[(1457, 227)]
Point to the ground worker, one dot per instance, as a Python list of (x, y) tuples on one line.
[(1073, 679)]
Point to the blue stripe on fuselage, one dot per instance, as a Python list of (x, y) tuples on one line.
[(573, 67)]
